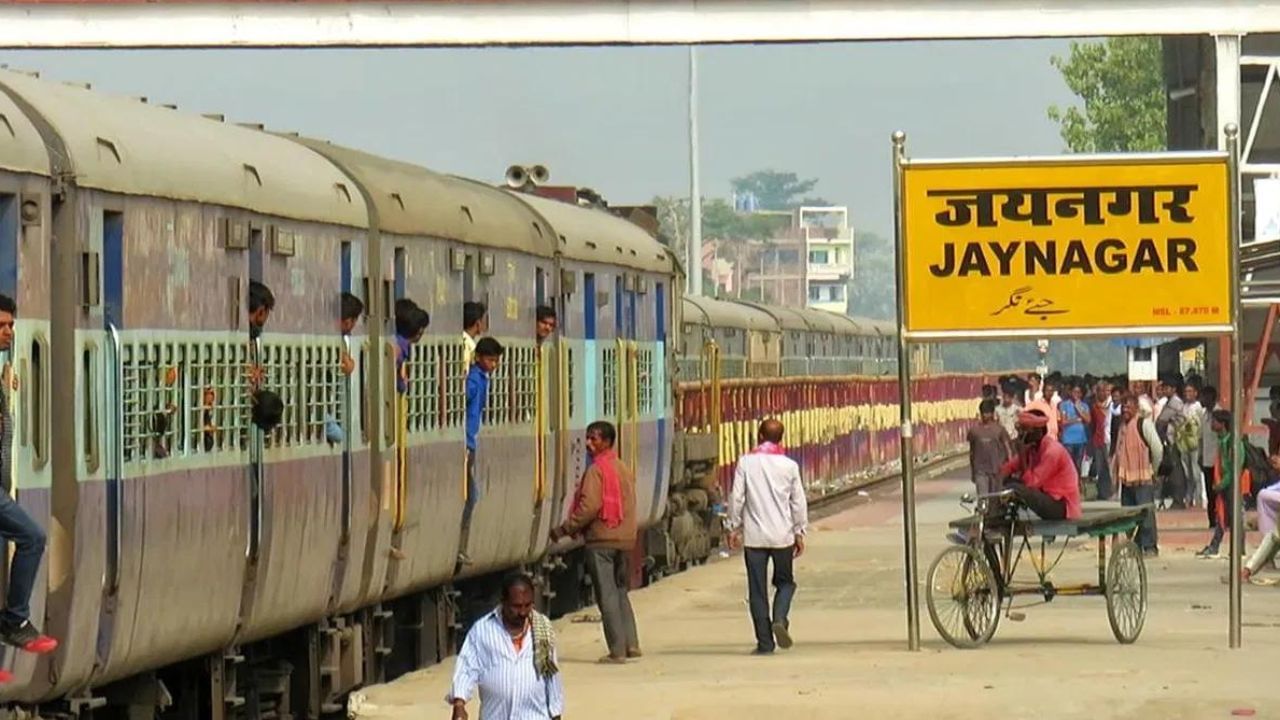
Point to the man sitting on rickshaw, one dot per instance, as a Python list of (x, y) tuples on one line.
[(1042, 475)]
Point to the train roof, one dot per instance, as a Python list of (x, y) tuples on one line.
[(786, 318), (127, 146), (21, 147), (881, 327), (723, 313), (827, 322), (598, 236), (412, 200)]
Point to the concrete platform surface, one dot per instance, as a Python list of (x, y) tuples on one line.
[(850, 659)]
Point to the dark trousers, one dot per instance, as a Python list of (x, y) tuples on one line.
[(611, 575), (1209, 493), (1175, 483), (1222, 516), (1100, 468), (758, 590), (473, 490), (1133, 496), (1040, 503), (1077, 455), (28, 539)]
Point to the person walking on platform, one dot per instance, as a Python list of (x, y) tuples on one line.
[(509, 655), (604, 506), (989, 448), (768, 514), (1208, 448), (1137, 455), (1229, 468)]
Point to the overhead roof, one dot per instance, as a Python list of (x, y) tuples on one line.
[(21, 147), (76, 23), (593, 235), (721, 313), (412, 200), (128, 146)]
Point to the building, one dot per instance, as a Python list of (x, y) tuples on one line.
[(829, 252), (807, 263)]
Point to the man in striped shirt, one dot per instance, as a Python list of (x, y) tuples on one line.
[(510, 655)]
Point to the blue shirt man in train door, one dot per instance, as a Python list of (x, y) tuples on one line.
[(488, 354)]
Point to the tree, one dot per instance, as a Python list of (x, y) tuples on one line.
[(773, 190), (874, 293), (1121, 82)]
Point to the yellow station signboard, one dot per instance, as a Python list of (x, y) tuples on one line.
[(1059, 246)]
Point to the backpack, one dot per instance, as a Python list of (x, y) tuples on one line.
[(1258, 465), (1166, 460)]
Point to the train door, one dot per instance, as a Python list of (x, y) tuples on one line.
[(348, 418), (541, 420), (25, 370), (257, 438), (400, 411), (592, 381), (629, 408), (112, 325)]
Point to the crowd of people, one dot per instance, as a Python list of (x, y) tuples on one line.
[(1165, 443)]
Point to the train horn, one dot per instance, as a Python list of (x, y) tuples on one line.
[(539, 175), (517, 177)]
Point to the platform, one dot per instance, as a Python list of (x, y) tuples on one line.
[(850, 657)]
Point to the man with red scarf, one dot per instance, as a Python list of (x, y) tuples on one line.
[(605, 507), (768, 513)]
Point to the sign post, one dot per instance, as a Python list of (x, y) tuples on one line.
[(1064, 247)]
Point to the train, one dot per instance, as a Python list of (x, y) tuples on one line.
[(198, 567)]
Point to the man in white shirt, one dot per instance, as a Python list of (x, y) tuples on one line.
[(509, 656), (768, 514), (475, 321)]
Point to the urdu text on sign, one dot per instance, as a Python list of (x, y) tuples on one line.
[(1064, 246)]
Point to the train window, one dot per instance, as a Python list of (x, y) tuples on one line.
[(282, 377), (151, 394), (362, 398), (455, 384), (569, 379), (498, 409), (609, 365), (523, 362), (38, 410), (424, 387), (89, 408), (216, 396), (644, 372), (322, 390)]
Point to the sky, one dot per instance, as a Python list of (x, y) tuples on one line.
[(616, 119)]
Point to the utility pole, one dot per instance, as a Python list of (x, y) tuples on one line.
[(694, 265)]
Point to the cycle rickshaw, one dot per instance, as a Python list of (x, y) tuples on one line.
[(970, 585)]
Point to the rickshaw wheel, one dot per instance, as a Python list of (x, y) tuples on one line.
[(1126, 591), (963, 597)]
